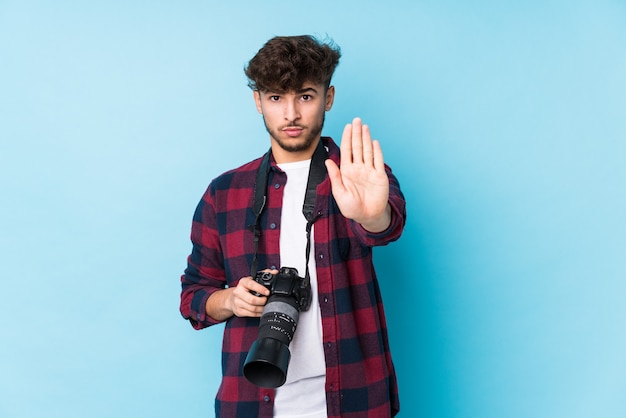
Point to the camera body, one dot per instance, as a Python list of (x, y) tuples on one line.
[(286, 282)]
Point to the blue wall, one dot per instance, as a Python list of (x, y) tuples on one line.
[(506, 125)]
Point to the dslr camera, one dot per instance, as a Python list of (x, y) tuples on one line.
[(268, 358)]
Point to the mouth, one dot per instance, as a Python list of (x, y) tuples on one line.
[(293, 131)]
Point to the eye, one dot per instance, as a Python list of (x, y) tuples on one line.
[(274, 98), (307, 97)]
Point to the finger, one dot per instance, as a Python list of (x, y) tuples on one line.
[(357, 141), (379, 161), (368, 152), (249, 285), (249, 301), (346, 145), (253, 314), (256, 302), (259, 288), (248, 311)]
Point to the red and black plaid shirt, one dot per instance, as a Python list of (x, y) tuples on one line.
[(360, 377)]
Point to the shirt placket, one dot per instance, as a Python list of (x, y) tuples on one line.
[(327, 307)]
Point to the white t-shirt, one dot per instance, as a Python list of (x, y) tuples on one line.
[(303, 395)]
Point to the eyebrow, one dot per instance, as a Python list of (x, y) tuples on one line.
[(305, 90), (300, 91)]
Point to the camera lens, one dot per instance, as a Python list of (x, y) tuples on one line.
[(268, 358)]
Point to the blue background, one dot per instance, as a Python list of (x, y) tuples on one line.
[(504, 121)]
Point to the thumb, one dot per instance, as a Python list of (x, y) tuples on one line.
[(334, 174)]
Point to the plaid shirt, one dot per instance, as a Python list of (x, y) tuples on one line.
[(360, 377)]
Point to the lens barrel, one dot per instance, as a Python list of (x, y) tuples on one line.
[(268, 358)]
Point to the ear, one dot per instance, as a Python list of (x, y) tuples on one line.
[(257, 101), (330, 97)]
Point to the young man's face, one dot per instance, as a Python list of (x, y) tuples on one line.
[(295, 119)]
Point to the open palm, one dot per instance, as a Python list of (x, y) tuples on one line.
[(361, 185)]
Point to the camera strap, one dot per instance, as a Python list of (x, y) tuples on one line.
[(317, 172)]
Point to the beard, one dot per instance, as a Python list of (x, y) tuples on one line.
[(297, 144)]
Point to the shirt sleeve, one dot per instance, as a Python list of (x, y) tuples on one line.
[(204, 274)]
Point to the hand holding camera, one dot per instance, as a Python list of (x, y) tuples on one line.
[(239, 300)]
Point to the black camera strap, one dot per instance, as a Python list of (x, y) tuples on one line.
[(317, 172)]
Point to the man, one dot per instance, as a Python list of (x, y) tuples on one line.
[(340, 363)]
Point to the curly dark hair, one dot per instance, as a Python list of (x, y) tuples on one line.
[(285, 63)]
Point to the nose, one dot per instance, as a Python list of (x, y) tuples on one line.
[(292, 110)]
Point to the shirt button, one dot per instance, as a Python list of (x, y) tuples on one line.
[(277, 186), (321, 256), (273, 267), (325, 300), (266, 398), (273, 225)]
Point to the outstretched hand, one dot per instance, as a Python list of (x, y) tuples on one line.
[(361, 185)]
